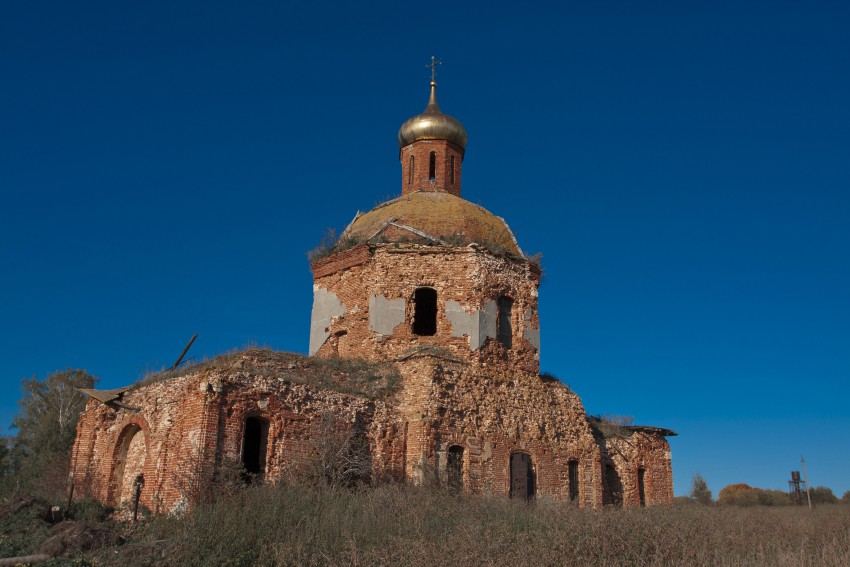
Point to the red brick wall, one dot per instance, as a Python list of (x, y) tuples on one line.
[(647, 451), (420, 180), (194, 423), (468, 276)]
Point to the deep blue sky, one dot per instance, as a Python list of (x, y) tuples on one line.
[(684, 169)]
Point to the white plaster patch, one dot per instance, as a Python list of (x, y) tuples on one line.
[(385, 314), (326, 306), (462, 322), (488, 319), (532, 335), (478, 325)]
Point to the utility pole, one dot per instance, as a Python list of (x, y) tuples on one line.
[(806, 477)]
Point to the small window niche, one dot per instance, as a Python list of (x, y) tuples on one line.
[(573, 478), (454, 468), (425, 311), (452, 170), (641, 486), (505, 331), (410, 169), (432, 166)]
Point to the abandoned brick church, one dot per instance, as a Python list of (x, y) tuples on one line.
[(424, 346)]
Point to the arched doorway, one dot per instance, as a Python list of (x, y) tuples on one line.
[(254, 444), (130, 463), (454, 468), (522, 476)]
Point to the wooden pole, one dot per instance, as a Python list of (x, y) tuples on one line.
[(806, 477), (185, 350)]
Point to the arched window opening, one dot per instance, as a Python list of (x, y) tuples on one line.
[(573, 478), (432, 166), (425, 311), (452, 170), (612, 489), (641, 488), (254, 445), (454, 468), (505, 332), (522, 476), (131, 462), (410, 171)]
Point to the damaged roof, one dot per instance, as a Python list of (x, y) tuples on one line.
[(104, 396)]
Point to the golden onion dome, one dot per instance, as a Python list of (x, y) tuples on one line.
[(432, 124), (435, 214)]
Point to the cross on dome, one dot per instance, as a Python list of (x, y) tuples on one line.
[(433, 65)]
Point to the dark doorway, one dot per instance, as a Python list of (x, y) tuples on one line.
[(641, 489), (573, 476), (425, 311), (254, 448), (505, 331), (522, 476), (612, 487), (454, 468)]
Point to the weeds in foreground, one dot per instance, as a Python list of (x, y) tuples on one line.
[(395, 524), (404, 525)]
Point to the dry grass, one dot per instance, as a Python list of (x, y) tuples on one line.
[(403, 525)]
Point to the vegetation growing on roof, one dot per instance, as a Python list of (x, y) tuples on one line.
[(353, 376), (611, 425), (331, 244), (549, 378)]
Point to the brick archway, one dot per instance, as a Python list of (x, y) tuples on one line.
[(128, 461)]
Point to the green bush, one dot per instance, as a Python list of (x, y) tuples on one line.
[(89, 510)]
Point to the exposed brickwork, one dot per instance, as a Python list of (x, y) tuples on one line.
[(647, 451), (439, 288), (346, 259), (466, 275), (190, 423), (446, 154)]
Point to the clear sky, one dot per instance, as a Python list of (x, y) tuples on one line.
[(684, 168)]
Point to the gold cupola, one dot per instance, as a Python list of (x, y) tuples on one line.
[(432, 124), (431, 146)]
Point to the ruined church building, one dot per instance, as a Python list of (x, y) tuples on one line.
[(424, 345)]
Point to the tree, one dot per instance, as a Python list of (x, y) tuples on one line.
[(5, 458), (738, 495), (846, 498), (823, 495), (342, 457), (700, 491), (48, 412)]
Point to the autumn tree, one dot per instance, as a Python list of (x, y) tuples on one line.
[(700, 491), (738, 495), (46, 424)]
